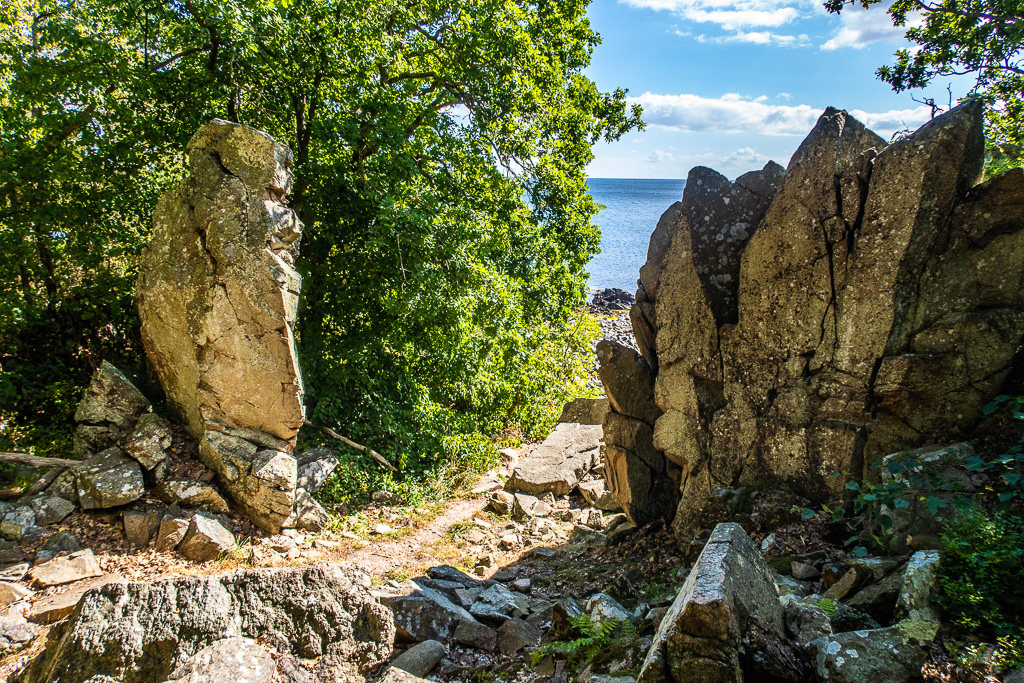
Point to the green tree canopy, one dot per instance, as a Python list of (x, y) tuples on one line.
[(983, 38), (440, 154)]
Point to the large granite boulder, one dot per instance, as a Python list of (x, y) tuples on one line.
[(110, 408), (868, 300), (142, 632), (217, 296)]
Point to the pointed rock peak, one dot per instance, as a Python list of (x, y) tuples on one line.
[(839, 134)]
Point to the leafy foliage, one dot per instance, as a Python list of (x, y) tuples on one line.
[(982, 572), (979, 37), (440, 153)]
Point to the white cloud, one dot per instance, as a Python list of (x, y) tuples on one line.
[(784, 96), (735, 113), (659, 156), (888, 122), (758, 38), (861, 27), (746, 157), (731, 14), (730, 113)]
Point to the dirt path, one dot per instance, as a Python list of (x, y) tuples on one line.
[(416, 550)]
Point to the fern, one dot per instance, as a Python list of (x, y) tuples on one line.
[(594, 636)]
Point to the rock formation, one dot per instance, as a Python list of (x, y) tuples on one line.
[(217, 295), (870, 299), (141, 632)]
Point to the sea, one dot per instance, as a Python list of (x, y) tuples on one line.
[(632, 209)]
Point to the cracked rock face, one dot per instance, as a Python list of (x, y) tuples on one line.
[(217, 295), (868, 300)]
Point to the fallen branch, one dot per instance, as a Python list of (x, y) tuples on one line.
[(349, 442), (36, 461)]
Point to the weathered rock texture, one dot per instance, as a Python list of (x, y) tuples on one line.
[(868, 300), (141, 632), (217, 295)]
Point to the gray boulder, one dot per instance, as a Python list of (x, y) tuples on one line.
[(919, 584), (50, 509), (142, 632), (149, 441), (558, 464), (15, 633), (192, 494), (421, 613), (420, 659), (111, 397), (172, 531), (308, 515), (726, 619), (18, 521), (108, 479), (597, 495), (230, 660)]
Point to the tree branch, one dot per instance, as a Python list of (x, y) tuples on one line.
[(349, 442)]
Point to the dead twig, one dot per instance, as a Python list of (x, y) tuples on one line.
[(349, 442)]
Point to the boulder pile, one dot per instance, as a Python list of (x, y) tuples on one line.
[(795, 324)]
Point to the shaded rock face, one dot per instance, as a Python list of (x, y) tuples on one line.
[(868, 300), (141, 632), (217, 296)]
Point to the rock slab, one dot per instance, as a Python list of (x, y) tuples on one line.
[(558, 464)]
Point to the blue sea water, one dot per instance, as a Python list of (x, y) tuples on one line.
[(632, 209)]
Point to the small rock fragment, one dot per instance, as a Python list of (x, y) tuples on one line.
[(420, 659), (205, 540), (67, 569)]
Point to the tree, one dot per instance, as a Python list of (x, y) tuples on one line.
[(979, 37), (440, 154)]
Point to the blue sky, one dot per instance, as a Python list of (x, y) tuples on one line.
[(732, 83)]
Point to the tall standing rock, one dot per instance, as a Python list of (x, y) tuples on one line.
[(217, 296), (869, 300)]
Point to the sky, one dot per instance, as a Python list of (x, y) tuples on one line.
[(730, 84)]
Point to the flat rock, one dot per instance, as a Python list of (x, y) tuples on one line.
[(526, 507), (192, 494), (474, 634), (603, 608), (109, 479), (894, 654), (558, 464), (205, 540), (393, 675), (135, 631), (54, 608), (67, 569), (420, 659), (422, 613), (230, 660), (11, 593)]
